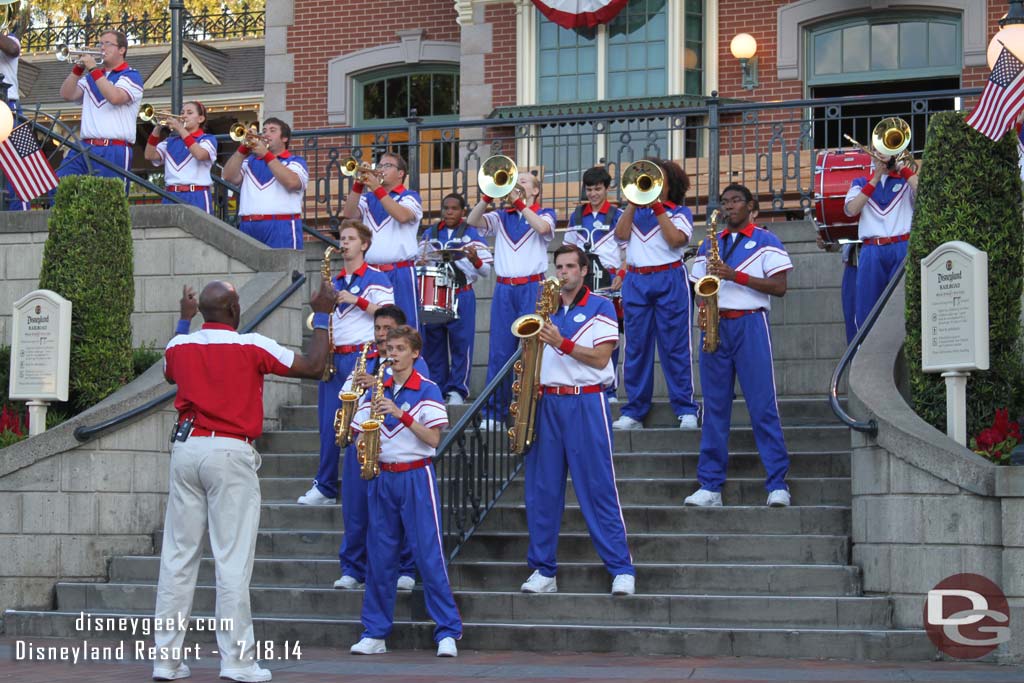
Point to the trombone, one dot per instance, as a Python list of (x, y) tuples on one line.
[(147, 113), (246, 134), (642, 182), (890, 142), (352, 167), (66, 53)]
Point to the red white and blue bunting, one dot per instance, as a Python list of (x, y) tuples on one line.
[(580, 13)]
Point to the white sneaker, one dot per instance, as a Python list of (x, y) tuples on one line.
[(626, 422), (446, 648), (704, 498), (369, 646), (250, 674), (314, 497), (406, 583), (348, 583), (538, 583), (779, 498), (613, 399), (161, 674), (624, 584), (688, 422), (491, 425), (455, 399)]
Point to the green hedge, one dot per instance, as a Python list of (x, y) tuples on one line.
[(970, 190), (88, 260)]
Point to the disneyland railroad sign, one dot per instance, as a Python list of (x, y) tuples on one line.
[(954, 309), (41, 347)]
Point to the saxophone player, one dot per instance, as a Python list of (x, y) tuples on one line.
[(403, 500), (752, 268), (574, 432)]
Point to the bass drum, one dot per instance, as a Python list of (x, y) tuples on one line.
[(833, 173)]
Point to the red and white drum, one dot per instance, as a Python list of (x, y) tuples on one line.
[(833, 173), (437, 294)]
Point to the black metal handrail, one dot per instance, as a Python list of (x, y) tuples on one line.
[(475, 466), (870, 426), (83, 433)]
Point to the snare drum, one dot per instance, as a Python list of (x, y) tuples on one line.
[(437, 294), (616, 299), (833, 173)]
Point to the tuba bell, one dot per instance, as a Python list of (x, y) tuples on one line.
[(498, 176), (642, 182)]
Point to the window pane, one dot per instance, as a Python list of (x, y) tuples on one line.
[(636, 86), (656, 80), (656, 27), (588, 87), (397, 97), (548, 35), (942, 44), (694, 30), (419, 95), (548, 90), (548, 63), (694, 83), (572, 57), (567, 88), (373, 100), (567, 61), (616, 85), (616, 57), (827, 53), (638, 56), (655, 56), (913, 45), (856, 43), (587, 59), (694, 6), (446, 94), (884, 46)]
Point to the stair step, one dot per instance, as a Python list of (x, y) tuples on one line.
[(494, 606), (824, 643), (576, 577)]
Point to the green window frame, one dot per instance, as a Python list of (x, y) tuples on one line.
[(386, 96)]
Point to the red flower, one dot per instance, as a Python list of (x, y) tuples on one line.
[(988, 438)]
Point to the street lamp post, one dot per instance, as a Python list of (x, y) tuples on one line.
[(177, 7)]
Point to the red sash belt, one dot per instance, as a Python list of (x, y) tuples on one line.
[(732, 314), (387, 267), (643, 270), (199, 431), (882, 241), (187, 188), (348, 348), (404, 466), (104, 142), (573, 391), (271, 217), (520, 280)]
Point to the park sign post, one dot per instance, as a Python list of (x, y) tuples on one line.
[(954, 324), (40, 353)]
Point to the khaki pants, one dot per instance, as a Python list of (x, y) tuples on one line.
[(213, 484)]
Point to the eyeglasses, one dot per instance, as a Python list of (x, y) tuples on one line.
[(107, 43), (387, 165)]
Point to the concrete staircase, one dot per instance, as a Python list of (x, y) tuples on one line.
[(740, 580)]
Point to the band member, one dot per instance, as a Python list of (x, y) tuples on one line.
[(394, 214), (187, 156), (521, 232), (885, 202), (111, 95), (362, 291), (753, 268), (592, 228), (656, 301), (850, 253), (213, 482), (449, 346), (10, 50), (403, 500), (273, 184), (354, 507), (573, 431)]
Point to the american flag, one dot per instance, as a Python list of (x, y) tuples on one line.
[(25, 165), (1002, 99)]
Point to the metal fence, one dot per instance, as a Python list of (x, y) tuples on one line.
[(769, 147)]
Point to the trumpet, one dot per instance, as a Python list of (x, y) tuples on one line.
[(248, 135), (352, 167), (66, 53), (147, 113)]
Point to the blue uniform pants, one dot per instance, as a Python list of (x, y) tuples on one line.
[(877, 266), (75, 164), (574, 434), (197, 198), (744, 351), (406, 505), (849, 294), (509, 302), (656, 308), (406, 292), (448, 348), (327, 403), (278, 234)]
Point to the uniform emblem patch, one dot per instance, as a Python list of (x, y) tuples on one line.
[(579, 317)]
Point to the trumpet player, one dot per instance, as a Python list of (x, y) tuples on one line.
[(574, 432), (381, 201), (111, 95), (753, 268), (403, 499), (273, 184), (187, 156)]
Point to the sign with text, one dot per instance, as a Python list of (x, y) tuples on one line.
[(40, 347), (954, 309)]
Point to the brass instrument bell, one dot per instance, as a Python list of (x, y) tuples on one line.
[(147, 113), (498, 176), (642, 182), (66, 53), (891, 137)]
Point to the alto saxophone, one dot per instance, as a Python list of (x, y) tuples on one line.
[(369, 446), (349, 401), (325, 273), (707, 289), (526, 387)]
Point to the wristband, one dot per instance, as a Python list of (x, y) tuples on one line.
[(658, 208), (380, 193), (153, 140), (906, 172), (362, 303), (477, 262), (868, 189), (742, 278), (520, 205), (243, 150), (487, 200), (406, 418), (97, 73), (189, 140), (567, 346), (321, 321), (183, 326), (621, 272), (78, 69), (358, 187), (268, 157)]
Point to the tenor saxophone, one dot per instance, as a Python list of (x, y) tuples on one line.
[(526, 387), (707, 289), (369, 446), (349, 401), (325, 273)]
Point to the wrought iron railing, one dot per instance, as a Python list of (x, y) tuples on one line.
[(474, 465), (144, 29)]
